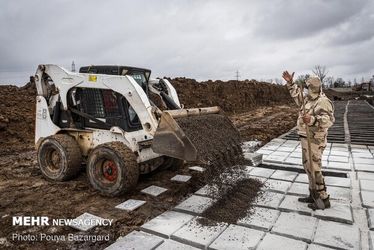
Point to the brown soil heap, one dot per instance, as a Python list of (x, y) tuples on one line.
[(231, 96), (17, 118), (218, 145), (235, 203)]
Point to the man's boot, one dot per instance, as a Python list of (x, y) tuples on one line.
[(307, 199), (326, 203)]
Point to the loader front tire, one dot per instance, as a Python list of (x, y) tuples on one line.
[(59, 157), (112, 169)]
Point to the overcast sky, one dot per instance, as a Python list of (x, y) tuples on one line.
[(196, 39)]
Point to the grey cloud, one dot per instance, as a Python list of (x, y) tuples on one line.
[(198, 39)]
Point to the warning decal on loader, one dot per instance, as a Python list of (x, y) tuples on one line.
[(92, 78)]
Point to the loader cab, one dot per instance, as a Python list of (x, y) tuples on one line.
[(107, 105), (140, 75), (102, 109)]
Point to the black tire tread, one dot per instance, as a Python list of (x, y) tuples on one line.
[(73, 154), (130, 160)]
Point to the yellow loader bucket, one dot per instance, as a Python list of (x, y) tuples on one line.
[(173, 138)]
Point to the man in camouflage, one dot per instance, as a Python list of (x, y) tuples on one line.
[(319, 116)]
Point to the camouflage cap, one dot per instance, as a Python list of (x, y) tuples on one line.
[(314, 84)]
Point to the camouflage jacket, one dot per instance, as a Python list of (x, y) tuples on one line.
[(321, 110)]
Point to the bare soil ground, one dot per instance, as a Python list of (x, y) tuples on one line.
[(24, 191)]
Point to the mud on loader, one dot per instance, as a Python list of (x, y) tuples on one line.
[(104, 117)]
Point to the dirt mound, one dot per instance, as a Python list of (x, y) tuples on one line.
[(218, 144), (235, 203), (17, 109), (231, 96)]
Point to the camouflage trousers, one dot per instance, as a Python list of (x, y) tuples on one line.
[(317, 147)]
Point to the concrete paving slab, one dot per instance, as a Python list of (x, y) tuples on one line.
[(280, 153), (264, 151), (303, 178), (270, 147), (367, 198), (299, 189), (130, 204), (197, 235), (362, 155), (344, 153), (272, 241), (286, 149), (318, 247), (207, 190), (344, 166), (338, 235), (371, 240), (181, 178), (339, 193), (291, 143), (358, 147), (274, 158), (338, 146), (337, 181), (339, 212), (174, 245), (278, 140), (237, 237), (277, 185), (290, 203), (284, 175), (295, 155), (260, 218), (365, 176), (325, 158), (262, 172), (194, 205), (360, 150), (367, 185), (254, 159), (298, 149), (269, 199), (294, 225), (364, 167), (85, 217), (197, 168), (154, 190), (136, 241), (333, 158), (167, 223), (364, 161), (370, 214), (291, 160)]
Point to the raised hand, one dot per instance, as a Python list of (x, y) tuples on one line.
[(287, 76)]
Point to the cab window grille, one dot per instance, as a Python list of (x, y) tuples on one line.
[(94, 102)]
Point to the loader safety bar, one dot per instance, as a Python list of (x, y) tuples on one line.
[(178, 113)]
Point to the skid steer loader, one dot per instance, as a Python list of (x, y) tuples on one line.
[(104, 117)]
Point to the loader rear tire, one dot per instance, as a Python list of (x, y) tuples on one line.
[(112, 169), (59, 157), (172, 163)]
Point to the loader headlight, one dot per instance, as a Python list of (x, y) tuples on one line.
[(147, 126)]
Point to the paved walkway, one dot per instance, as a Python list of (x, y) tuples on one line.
[(279, 221)]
